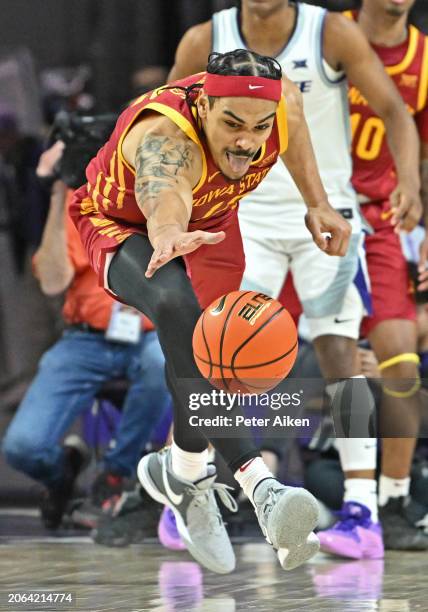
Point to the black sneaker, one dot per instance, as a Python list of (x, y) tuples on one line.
[(86, 515), (106, 491), (56, 498), (398, 532), (106, 485), (134, 518), (416, 513)]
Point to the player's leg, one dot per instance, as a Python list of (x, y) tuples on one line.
[(169, 300), (334, 308), (394, 342), (391, 331)]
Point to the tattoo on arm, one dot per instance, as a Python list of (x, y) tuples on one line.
[(159, 160)]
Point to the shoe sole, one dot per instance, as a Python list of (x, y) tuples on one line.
[(153, 491), (292, 557), (347, 553), (296, 516)]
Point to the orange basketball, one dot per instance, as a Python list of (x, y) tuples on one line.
[(245, 342)]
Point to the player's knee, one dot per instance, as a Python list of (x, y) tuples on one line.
[(401, 375), (401, 365), (337, 355)]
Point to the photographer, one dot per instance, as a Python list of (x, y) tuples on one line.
[(102, 341)]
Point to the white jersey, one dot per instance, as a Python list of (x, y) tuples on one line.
[(276, 207)]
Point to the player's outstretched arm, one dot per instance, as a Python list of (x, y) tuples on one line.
[(192, 52), (167, 165), (300, 160), (346, 47)]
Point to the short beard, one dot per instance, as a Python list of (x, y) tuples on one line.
[(395, 11)]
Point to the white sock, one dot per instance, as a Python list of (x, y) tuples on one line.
[(271, 460), (392, 487), (363, 491), (189, 466), (250, 474), (357, 453)]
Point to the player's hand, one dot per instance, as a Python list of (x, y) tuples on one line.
[(368, 363), (169, 245), (324, 219), (422, 265), (406, 208)]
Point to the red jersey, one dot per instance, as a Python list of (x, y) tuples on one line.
[(374, 173), (111, 178)]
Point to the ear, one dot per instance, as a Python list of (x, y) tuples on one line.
[(202, 105)]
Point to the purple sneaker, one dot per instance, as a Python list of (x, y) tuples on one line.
[(167, 531), (354, 535)]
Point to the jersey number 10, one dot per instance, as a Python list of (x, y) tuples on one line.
[(370, 137)]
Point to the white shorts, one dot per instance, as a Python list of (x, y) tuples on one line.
[(332, 303)]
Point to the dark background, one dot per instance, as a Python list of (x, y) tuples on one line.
[(115, 37)]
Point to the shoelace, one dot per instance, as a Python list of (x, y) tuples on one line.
[(348, 522), (202, 498)]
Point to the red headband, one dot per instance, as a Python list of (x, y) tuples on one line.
[(243, 86)]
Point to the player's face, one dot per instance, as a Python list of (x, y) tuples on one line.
[(395, 8), (263, 8), (235, 129)]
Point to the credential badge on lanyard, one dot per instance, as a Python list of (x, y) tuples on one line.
[(124, 325)]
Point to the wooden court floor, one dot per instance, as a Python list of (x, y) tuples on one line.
[(147, 577)]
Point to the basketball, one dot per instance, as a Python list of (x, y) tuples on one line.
[(245, 342)]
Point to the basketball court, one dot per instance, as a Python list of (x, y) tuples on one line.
[(148, 577)]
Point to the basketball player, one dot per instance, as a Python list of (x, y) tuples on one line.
[(166, 186), (318, 50), (391, 329)]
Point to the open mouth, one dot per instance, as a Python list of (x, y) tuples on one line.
[(238, 163)]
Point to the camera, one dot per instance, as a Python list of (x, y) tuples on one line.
[(83, 136)]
